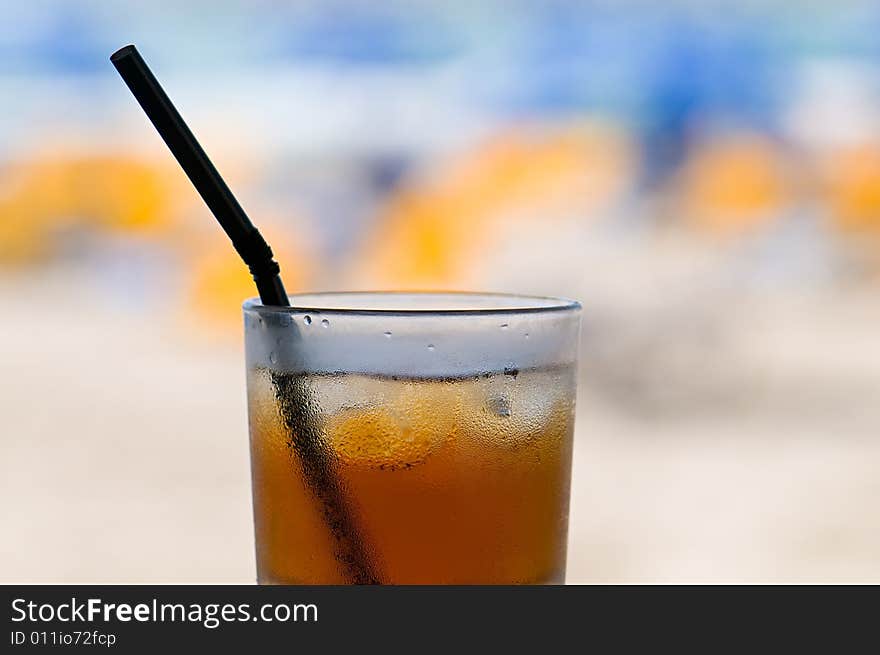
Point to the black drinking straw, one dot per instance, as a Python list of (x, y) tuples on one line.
[(246, 239), (291, 391)]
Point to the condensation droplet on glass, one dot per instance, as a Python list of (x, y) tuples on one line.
[(504, 326), (325, 323), (431, 346), (307, 319), (387, 335), (273, 357), (526, 335), (500, 406)]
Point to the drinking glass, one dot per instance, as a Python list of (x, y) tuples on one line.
[(411, 438)]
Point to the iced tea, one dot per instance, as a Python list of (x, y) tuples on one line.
[(443, 481)]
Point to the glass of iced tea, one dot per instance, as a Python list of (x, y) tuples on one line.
[(411, 438)]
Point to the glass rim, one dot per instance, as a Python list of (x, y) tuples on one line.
[(495, 304)]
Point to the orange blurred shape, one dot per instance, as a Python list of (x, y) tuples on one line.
[(25, 219), (734, 185), (851, 187), (122, 194), (43, 197), (217, 281), (432, 230)]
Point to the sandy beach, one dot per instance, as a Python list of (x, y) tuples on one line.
[(124, 458)]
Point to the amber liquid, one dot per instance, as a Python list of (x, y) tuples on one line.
[(454, 481)]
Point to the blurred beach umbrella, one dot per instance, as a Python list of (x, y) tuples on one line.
[(851, 187), (48, 196), (437, 229), (734, 185)]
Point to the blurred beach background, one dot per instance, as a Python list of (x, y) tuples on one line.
[(704, 177)]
